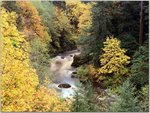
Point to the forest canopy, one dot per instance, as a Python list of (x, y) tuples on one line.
[(96, 50)]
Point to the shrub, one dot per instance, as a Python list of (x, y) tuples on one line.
[(82, 73)]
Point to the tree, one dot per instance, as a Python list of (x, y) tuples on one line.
[(144, 98), (84, 100), (140, 67), (40, 59), (61, 31), (82, 73), (127, 101), (20, 86), (141, 25), (31, 19), (46, 11), (19, 80), (113, 60), (118, 18), (80, 15), (46, 100), (129, 43), (100, 28)]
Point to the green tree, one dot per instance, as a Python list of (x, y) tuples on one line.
[(84, 100), (101, 27), (129, 43), (126, 20), (144, 98), (82, 73), (127, 101), (61, 31), (40, 59), (140, 67), (46, 11)]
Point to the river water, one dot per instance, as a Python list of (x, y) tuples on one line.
[(62, 70)]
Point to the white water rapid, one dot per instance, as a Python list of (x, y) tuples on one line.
[(62, 70)]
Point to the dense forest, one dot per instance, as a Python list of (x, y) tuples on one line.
[(97, 50)]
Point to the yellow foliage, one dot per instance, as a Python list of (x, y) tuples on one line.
[(19, 80), (92, 71), (61, 22), (47, 100), (80, 14), (113, 60)]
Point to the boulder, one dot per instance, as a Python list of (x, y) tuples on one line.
[(74, 72), (78, 60), (74, 75), (62, 57), (71, 55)]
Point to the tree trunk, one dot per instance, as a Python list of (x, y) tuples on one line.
[(141, 25)]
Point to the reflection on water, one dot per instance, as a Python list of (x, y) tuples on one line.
[(62, 70)]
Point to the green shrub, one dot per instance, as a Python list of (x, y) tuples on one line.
[(82, 73)]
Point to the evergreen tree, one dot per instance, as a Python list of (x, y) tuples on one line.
[(46, 11), (84, 100), (140, 67), (100, 28), (144, 98), (127, 101)]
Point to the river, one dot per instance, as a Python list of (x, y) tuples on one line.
[(62, 70)]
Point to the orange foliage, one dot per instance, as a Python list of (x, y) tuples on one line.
[(31, 19)]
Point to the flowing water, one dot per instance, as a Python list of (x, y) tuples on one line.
[(62, 70)]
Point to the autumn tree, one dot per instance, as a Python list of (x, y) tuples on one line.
[(19, 80), (46, 12), (113, 60), (38, 36), (61, 31), (46, 100), (31, 19), (20, 86), (80, 15)]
